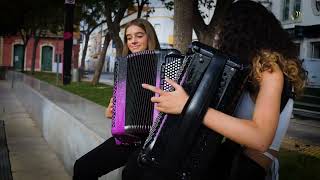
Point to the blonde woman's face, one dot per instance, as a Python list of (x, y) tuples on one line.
[(137, 39)]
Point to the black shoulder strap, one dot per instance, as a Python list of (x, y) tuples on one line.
[(287, 93)]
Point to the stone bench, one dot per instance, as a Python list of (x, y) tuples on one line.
[(70, 124)]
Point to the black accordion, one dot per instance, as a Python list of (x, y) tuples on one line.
[(133, 112), (179, 144)]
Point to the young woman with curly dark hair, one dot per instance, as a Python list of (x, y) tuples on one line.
[(251, 32)]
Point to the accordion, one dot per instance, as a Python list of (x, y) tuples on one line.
[(180, 144), (133, 112)]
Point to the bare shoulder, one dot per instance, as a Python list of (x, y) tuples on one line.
[(272, 77)]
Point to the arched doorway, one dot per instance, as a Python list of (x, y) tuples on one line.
[(18, 57), (46, 58)]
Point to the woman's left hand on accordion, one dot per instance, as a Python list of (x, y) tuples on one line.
[(169, 102)]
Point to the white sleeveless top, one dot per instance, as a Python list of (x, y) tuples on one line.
[(245, 109)]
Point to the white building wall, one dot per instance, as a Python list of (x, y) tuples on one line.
[(307, 18)]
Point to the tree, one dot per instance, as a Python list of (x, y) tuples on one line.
[(182, 26), (114, 12), (30, 19), (91, 17), (140, 5), (101, 60), (10, 22), (204, 32), (44, 24)]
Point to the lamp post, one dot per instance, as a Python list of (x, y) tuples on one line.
[(68, 41)]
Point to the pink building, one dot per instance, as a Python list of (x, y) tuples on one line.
[(11, 53)]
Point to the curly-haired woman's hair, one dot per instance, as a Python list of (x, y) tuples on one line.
[(153, 42), (252, 33)]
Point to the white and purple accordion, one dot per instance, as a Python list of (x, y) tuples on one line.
[(133, 112)]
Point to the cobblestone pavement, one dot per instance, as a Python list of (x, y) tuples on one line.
[(302, 146)]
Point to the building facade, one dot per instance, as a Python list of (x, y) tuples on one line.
[(301, 18), (48, 51)]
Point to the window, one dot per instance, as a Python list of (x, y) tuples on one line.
[(315, 5), (297, 45), (296, 13), (315, 50), (291, 10), (157, 28), (285, 10)]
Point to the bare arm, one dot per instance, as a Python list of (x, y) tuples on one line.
[(108, 111), (258, 132)]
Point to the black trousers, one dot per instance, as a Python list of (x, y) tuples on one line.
[(233, 164), (134, 171), (101, 160)]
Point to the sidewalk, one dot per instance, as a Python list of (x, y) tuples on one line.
[(298, 145), (31, 157), (303, 136)]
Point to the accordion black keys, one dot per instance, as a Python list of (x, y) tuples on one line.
[(133, 112), (180, 144)]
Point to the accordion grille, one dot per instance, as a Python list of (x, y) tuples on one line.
[(139, 108)]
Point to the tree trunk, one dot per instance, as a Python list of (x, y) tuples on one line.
[(25, 38), (23, 57), (34, 50), (84, 54), (114, 23), (182, 24), (140, 7), (206, 36), (205, 33), (99, 66), (119, 45)]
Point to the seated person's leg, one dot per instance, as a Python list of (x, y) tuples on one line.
[(101, 160)]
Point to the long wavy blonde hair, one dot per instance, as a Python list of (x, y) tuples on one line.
[(291, 68), (252, 33)]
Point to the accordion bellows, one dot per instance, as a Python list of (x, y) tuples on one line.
[(133, 112)]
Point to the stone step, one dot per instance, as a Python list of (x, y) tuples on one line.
[(307, 106), (309, 99), (312, 91), (306, 113)]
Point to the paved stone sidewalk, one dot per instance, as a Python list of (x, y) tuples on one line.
[(295, 144), (31, 157)]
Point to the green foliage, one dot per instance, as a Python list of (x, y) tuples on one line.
[(29, 16), (209, 4), (91, 14), (99, 94), (168, 4)]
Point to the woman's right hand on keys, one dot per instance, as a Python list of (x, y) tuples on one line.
[(109, 109)]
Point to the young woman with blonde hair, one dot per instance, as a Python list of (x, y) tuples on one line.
[(139, 35)]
